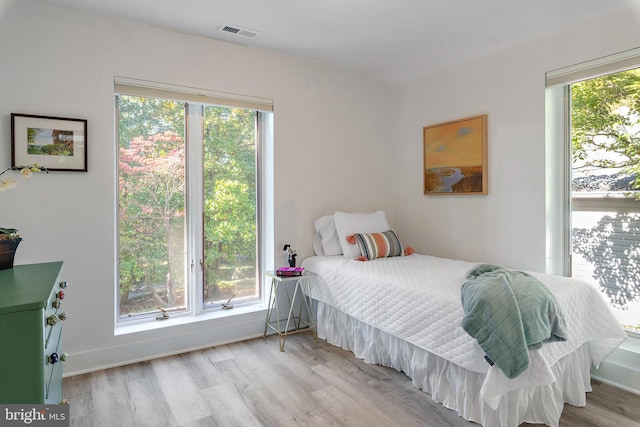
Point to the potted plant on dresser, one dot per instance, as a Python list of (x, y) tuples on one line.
[(9, 241), (9, 237)]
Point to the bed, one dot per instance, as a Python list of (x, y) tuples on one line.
[(404, 311)]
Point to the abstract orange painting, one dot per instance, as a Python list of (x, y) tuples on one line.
[(455, 157)]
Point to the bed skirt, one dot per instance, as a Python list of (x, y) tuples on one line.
[(455, 387)]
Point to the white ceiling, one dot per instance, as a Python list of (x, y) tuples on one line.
[(394, 40)]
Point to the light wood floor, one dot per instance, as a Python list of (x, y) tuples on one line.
[(253, 384)]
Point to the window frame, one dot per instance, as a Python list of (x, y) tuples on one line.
[(195, 100), (558, 149)]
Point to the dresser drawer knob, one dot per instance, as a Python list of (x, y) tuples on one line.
[(63, 284), (52, 320), (62, 316), (64, 357), (54, 358)]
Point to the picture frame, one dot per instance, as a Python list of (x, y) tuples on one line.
[(54, 143), (455, 157)]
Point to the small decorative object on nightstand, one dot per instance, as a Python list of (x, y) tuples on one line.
[(302, 287), (292, 255)]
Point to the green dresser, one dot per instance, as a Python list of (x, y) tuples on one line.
[(31, 318)]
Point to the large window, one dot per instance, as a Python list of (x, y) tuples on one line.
[(593, 178), (191, 198), (605, 189)]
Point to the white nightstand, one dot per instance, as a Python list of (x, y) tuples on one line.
[(302, 286)]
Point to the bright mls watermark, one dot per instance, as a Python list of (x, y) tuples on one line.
[(34, 415)]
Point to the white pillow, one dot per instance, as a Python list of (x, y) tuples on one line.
[(317, 244), (326, 227), (350, 223)]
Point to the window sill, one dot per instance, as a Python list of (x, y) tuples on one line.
[(621, 368), (632, 346), (178, 319)]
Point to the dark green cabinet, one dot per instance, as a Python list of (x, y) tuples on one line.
[(31, 319)]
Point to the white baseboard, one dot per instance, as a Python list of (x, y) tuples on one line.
[(205, 335)]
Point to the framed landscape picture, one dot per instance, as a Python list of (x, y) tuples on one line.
[(55, 143), (455, 157)]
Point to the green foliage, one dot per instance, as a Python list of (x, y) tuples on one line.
[(152, 201), (139, 116), (31, 135), (9, 233), (65, 149), (606, 118), (152, 192), (229, 188)]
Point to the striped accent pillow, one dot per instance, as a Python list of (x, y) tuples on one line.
[(379, 245)]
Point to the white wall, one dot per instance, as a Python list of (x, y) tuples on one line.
[(508, 225), (61, 62)]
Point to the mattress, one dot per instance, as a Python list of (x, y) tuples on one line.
[(417, 300)]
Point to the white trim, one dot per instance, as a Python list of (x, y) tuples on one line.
[(621, 368), (557, 177), (194, 226), (186, 318), (224, 327), (266, 162), (136, 87), (617, 62)]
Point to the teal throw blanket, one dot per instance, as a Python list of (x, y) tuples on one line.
[(508, 312)]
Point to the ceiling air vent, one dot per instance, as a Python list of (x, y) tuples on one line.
[(229, 29)]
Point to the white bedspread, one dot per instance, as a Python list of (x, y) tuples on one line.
[(417, 299)]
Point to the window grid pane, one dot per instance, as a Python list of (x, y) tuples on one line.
[(151, 174), (605, 130), (230, 205)]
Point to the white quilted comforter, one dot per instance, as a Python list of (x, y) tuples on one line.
[(417, 298)]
